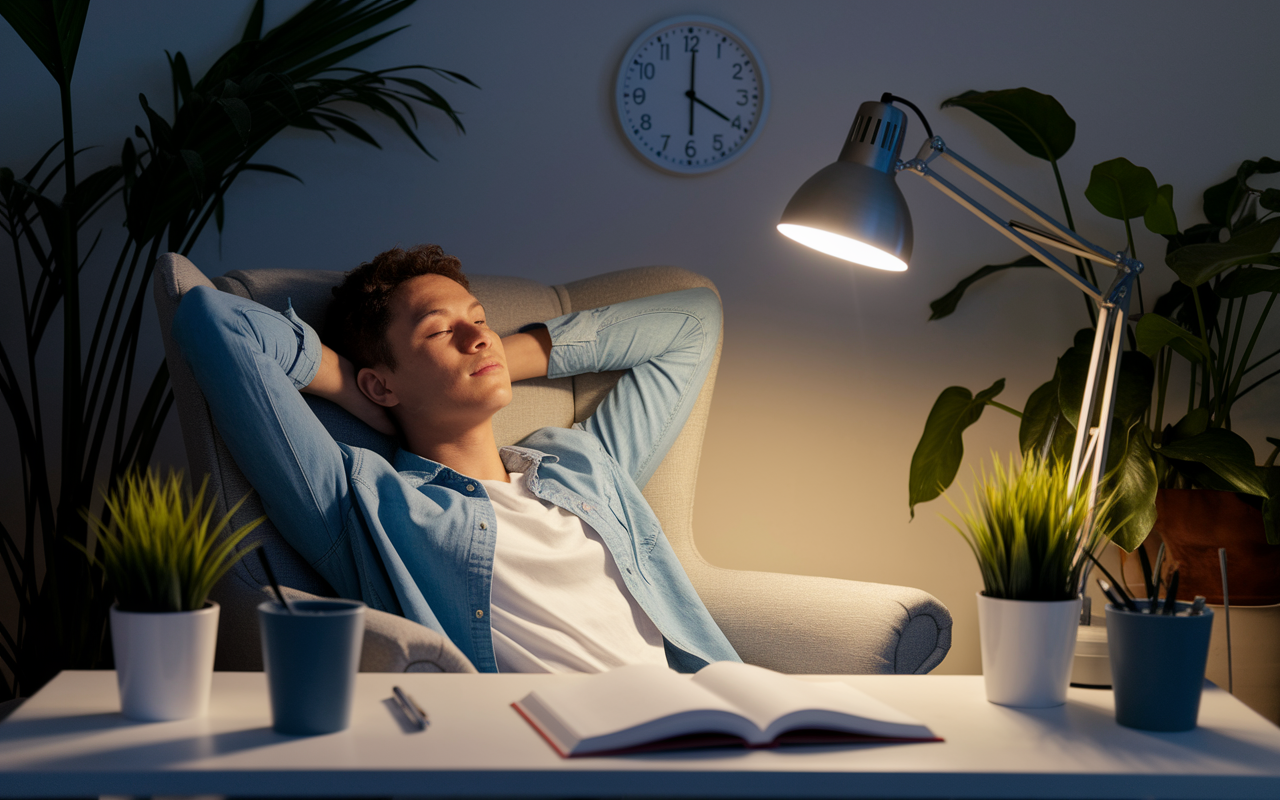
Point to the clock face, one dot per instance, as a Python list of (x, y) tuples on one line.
[(692, 94)]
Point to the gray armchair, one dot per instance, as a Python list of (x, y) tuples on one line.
[(789, 623)]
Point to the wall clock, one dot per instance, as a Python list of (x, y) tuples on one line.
[(692, 94)]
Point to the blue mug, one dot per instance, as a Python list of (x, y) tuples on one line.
[(311, 658)]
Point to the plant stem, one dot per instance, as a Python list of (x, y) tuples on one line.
[(1133, 253), (1257, 383), (1262, 361), (1164, 361), (71, 436), (1248, 351), (1082, 266), (1002, 406), (1211, 368), (1227, 399)]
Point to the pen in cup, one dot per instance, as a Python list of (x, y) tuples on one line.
[(410, 708)]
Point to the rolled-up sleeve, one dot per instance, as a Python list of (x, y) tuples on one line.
[(666, 343)]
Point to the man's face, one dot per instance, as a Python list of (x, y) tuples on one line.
[(451, 368)]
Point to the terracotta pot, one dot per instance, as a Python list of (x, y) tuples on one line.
[(1193, 524)]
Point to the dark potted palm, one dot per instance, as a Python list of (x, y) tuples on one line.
[(89, 409)]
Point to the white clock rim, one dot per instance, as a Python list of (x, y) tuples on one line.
[(761, 73)]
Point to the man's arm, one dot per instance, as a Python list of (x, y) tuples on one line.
[(666, 343), (528, 354), (250, 363), (335, 381)]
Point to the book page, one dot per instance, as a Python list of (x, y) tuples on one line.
[(775, 702), (624, 698)]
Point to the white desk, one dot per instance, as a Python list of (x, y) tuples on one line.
[(70, 739)]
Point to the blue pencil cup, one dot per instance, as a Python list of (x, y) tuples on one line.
[(311, 658), (1157, 666)]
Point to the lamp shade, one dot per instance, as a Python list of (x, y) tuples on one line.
[(853, 209)]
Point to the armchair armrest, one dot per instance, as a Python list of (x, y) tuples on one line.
[(395, 644), (808, 625)]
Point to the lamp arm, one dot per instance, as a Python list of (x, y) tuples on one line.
[(1059, 237), (1090, 250), (1018, 237), (1089, 453)]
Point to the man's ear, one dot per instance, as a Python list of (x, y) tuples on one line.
[(374, 386)]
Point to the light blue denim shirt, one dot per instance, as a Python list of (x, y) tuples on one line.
[(410, 535)]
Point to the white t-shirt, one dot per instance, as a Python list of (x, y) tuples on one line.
[(558, 603)]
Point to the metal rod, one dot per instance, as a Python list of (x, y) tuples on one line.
[(1083, 422), (1107, 411), (1018, 202), (1025, 242), (1053, 241)]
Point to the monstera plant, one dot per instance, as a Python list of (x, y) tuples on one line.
[(171, 179), (1191, 357)]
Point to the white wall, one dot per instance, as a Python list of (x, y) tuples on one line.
[(828, 373)]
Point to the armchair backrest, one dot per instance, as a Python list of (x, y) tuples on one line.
[(510, 303)]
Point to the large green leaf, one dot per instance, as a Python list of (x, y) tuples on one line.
[(1154, 331), (1135, 379), (1033, 121), (1198, 263), (1179, 305), (1226, 453), (1134, 482), (1120, 189), (1223, 199), (946, 304), (938, 455), (51, 29), (1270, 199), (1043, 429), (1250, 280), (1159, 216)]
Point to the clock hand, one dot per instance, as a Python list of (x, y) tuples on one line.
[(694, 97), (693, 65)]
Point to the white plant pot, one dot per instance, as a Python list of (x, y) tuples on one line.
[(164, 661), (1027, 649)]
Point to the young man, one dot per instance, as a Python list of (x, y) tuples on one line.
[(541, 557)]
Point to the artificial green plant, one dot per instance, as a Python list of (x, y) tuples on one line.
[(1028, 529), (1204, 320), (162, 550), (172, 179)]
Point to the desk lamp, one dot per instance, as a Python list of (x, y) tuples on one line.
[(852, 209)]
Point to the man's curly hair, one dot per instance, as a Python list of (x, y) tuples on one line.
[(357, 320)]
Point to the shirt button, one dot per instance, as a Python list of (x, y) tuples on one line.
[(471, 487), (479, 613), (484, 526)]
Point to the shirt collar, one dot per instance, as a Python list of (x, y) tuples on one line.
[(418, 470)]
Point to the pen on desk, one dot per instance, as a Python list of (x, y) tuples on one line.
[(410, 708)]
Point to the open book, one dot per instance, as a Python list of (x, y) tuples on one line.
[(640, 708)]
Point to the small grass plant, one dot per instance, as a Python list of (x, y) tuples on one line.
[(1028, 531), (160, 548)]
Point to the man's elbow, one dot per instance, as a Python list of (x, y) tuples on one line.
[(200, 317)]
